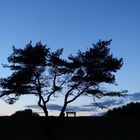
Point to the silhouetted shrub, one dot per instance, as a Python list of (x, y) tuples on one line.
[(27, 113), (131, 109)]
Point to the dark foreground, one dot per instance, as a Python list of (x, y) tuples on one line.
[(78, 128)]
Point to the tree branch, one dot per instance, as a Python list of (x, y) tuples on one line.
[(79, 94)]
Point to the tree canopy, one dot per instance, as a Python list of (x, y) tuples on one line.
[(131, 109), (38, 71), (88, 70), (28, 66), (27, 113)]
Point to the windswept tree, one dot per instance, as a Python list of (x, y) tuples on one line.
[(37, 71), (28, 77), (87, 71), (33, 73)]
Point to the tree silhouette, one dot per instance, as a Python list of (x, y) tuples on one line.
[(131, 109), (27, 113), (37, 71), (34, 73), (28, 66), (88, 70)]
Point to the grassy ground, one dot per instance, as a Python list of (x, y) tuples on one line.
[(78, 128)]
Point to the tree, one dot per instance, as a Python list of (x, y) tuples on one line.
[(34, 73), (87, 71), (27, 113), (28, 66), (131, 109), (40, 72)]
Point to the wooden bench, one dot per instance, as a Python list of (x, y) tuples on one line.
[(71, 113)]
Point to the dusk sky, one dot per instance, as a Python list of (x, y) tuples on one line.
[(73, 25)]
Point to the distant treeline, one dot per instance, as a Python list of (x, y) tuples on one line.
[(131, 109), (27, 113)]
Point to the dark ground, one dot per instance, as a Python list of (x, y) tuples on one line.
[(78, 128)]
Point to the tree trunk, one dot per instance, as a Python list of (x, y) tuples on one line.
[(45, 111), (63, 110)]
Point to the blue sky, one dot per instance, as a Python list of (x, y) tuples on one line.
[(73, 25)]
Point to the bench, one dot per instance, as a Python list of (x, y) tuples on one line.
[(71, 113)]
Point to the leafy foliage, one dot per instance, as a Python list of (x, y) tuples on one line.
[(86, 71), (40, 72), (28, 66), (25, 114), (131, 109)]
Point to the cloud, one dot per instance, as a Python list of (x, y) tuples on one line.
[(59, 107), (110, 103), (134, 97), (118, 101)]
